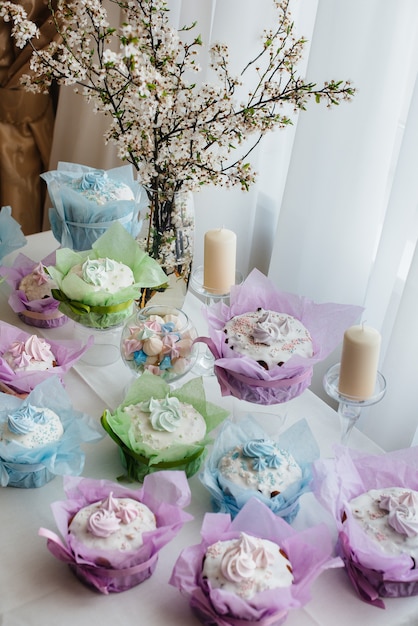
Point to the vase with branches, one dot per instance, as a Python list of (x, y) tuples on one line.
[(179, 133)]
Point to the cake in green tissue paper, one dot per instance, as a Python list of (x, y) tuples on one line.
[(158, 428), (97, 287)]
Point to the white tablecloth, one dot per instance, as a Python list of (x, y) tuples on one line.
[(38, 590)]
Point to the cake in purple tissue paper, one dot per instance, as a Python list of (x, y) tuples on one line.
[(374, 501), (102, 567), (308, 552), (31, 296), (26, 359), (246, 378)]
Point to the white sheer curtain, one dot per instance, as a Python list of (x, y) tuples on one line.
[(334, 215), (347, 227)]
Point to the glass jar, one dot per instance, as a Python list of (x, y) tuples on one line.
[(159, 339)]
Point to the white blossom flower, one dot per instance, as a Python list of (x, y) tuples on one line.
[(178, 134)]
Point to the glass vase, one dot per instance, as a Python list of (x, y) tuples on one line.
[(168, 237)]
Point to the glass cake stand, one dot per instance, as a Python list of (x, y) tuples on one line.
[(105, 349), (205, 359), (349, 408)]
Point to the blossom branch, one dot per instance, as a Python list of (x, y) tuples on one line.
[(176, 132)]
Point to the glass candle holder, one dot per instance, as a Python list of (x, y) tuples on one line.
[(349, 407), (159, 339), (205, 360)]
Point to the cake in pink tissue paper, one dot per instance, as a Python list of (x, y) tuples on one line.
[(107, 570), (309, 553), (21, 372), (380, 562), (31, 296), (240, 375)]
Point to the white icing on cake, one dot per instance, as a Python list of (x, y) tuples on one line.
[(113, 524), (32, 354), (99, 189), (268, 337), (260, 465), (31, 427), (163, 423), (389, 517), (36, 285), (246, 566), (97, 275)]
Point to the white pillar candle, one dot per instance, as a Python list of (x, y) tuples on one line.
[(219, 260), (359, 361)]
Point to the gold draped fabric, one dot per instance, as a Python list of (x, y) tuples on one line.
[(26, 124)]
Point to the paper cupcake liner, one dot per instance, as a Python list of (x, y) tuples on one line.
[(137, 469), (66, 352), (103, 579), (138, 466), (41, 320), (102, 317), (208, 619), (76, 221), (24, 475), (42, 312), (369, 583), (116, 580), (12, 236), (82, 235), (22, 466), (288, 512), (265, 392)]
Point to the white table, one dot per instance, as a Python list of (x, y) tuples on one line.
[(38, 590)]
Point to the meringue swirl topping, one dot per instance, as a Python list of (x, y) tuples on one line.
[(40, 275), (402, 512), (243, 557), (22, 353), (111, 513), (165, 414), (264, 453), (94, 271), (25, 419), (268, 330), (95, 180)]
